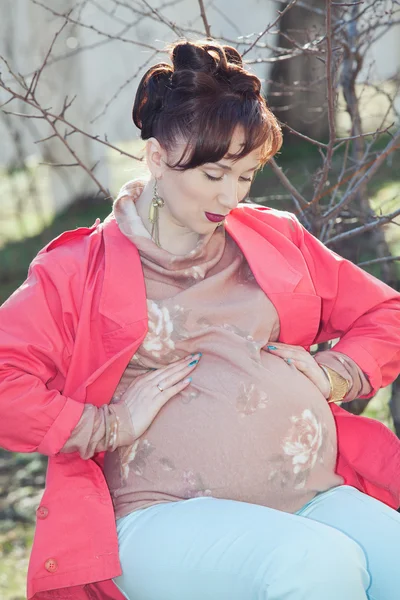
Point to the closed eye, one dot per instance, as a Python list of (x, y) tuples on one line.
[(211, 178)]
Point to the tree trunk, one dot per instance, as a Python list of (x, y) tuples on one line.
[(297, 88)]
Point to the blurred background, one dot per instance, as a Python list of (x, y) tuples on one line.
[(68, 76)]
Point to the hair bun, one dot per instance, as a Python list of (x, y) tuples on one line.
[(151, 95), (205, 56), (233, 56), (186, 55), (245, 85)]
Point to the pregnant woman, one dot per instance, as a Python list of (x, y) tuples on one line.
[(162, 361)]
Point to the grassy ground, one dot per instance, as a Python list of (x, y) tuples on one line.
[(14, 554)]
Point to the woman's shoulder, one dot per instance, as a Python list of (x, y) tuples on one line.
[(70, 238), (70, 251)]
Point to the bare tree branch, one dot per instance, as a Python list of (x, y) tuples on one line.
[(35, 79), (347, 3), (330, 69), (393, 145), (288, 185), (375, 224), (367, 134), (304, 137), (205, 20), (50, 164), (177, 30), (146, 14), (119, 37), (270, 26), (378, 261), (51, 118), (122, 87)]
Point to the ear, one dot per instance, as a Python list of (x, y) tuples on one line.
[(156, 157)]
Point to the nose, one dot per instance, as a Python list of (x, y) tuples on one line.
[(229, 195)]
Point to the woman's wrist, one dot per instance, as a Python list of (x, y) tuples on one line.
[(342, 372), (121, 430), (339, 385)]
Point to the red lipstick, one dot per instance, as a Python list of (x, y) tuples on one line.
[(214, 218)]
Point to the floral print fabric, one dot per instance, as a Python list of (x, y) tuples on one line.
[(249, 427)]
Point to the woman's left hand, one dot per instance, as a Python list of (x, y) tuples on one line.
[(302, 360)]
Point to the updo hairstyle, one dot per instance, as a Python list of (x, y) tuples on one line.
[(200, 99)]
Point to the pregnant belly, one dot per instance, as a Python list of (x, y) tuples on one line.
[(260, 433)]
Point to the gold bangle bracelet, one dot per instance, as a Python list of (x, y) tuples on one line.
[(339, 385)]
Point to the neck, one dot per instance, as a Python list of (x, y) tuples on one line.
[(174, 238)]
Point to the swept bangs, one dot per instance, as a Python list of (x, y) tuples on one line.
[(210, 139)]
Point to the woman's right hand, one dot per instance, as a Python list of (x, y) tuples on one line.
[(148, 393)]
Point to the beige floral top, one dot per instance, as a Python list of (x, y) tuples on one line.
[(249, 427)]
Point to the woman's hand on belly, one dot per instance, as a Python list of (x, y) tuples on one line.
[(300, 359), (148, 393)]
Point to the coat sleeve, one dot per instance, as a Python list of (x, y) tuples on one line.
[(36, 337), (357, 308), (101, 428)]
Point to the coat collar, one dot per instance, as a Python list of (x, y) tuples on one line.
[(123, 297), (263, 246)]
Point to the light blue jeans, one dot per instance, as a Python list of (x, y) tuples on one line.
[(343, 545)]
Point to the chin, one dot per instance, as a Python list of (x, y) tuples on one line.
[(207, 228), (201, 227)]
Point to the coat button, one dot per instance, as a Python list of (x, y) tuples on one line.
[(51, 565), (42, 512)]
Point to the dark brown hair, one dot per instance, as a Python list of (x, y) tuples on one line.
[(201, 99)]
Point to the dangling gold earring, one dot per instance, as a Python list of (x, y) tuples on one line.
[(156, 203)]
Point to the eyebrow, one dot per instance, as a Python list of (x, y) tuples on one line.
[(227, 168)]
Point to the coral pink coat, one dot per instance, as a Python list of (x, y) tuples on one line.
[(67, 334)]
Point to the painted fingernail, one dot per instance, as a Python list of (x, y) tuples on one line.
[(289, 361), (194, 362), (272, 348), (187, 380)]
